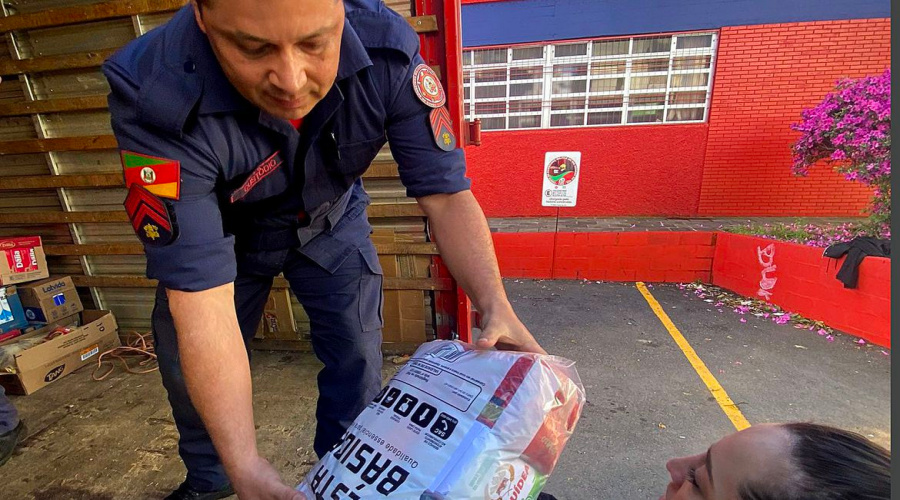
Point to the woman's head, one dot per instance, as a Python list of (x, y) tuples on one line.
[(785, 462)]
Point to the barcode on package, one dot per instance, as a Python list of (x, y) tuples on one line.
[(90, 351)]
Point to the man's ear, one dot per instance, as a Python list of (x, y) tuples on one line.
[(198, 16)]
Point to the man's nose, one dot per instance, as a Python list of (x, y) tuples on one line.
[(290, 73)]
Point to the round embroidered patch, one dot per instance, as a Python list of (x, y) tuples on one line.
[(428, 87)]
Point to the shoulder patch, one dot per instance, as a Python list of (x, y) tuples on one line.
[(442, 129), (160, 176), (152, 218), (427, 86)]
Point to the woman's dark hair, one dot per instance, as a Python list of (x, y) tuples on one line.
[(832, 464)]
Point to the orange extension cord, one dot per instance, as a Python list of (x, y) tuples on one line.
[(136, 348)]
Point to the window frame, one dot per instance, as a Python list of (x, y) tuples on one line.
[(549, 63)]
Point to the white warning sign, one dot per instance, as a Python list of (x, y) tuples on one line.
[(561, 173)]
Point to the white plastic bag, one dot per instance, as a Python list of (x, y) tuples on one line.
[(456, 423)]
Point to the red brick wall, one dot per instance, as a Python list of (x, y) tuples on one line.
[(631, 170), (628, 256), (806, 284), (765, 75)]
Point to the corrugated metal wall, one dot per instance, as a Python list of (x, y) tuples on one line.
[(60, 175)]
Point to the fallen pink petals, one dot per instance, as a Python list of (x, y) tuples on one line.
[(783, 319)]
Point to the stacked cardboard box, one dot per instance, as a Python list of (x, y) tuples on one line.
[(21, 260), (12, 316), (45, 333)]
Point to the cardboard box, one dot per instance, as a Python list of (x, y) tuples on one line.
[(50, 300), (12, 317), (21, 260), (278, 317), (45, 363)]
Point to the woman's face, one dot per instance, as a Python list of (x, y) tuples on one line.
[(758, 455)]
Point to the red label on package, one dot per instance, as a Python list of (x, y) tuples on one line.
[(29, 242), (22, 260)]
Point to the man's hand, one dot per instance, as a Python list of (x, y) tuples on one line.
[(505, 331), (464, 239), (258, 480)]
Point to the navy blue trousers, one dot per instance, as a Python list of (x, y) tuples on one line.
[(9, 417), (345, 312)]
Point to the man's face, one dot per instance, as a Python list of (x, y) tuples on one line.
[(281, 55)]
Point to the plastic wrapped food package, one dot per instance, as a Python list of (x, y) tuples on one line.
[(9, 350), (456, 423)]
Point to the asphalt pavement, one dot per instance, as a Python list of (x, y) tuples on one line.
[(647, 404)]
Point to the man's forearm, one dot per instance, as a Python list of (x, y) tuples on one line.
[(217, 371), (464, 240)]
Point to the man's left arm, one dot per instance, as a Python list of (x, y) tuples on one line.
[(464, 240), (434, 173)]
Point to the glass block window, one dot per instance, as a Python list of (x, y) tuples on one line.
[(622, 81)]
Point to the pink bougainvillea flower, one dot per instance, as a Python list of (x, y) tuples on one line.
[(850, 129)]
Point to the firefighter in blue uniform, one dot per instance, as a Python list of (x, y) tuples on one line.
[(244, 128)]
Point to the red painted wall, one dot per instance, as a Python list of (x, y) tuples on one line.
[(765, 75), (806, 284), (637, 170), (643, 256), (736, 165)]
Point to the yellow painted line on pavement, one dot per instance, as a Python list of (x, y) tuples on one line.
[(715, 388)]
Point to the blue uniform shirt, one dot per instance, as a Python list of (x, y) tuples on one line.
[(170, 100)]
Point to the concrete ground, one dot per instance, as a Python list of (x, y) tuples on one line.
[(115, 439)]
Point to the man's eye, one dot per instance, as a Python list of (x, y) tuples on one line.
[(254, 51), (314, 47)]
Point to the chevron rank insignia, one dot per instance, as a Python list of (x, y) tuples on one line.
[(442, 129), (160, 176), (152, 218)]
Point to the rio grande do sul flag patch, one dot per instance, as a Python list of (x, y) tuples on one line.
[(160, 176)]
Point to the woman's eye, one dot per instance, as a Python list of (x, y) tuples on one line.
[(692, 477)]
